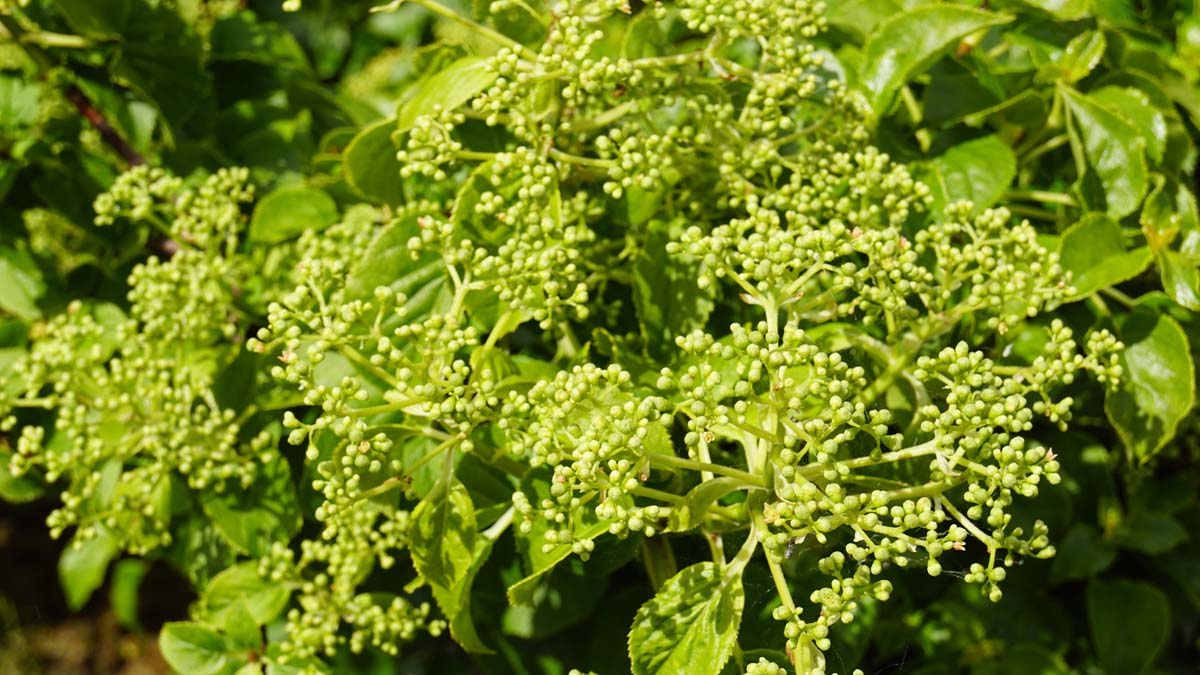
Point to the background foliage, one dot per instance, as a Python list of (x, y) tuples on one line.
[(1080, 116)]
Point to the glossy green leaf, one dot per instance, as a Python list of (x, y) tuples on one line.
[(287, 212), (668, 301), (1082, 55), (1134, 106), (1110, 148), (978, 171), (263, 599), (690, 625), (260, 515), (1093, 251), (1157, 389), (907, 43), (192, 649), (451, 87), (83, 566), (371, 165), (1129, 622)]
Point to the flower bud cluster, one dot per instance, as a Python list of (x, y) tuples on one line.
[(594, 434)]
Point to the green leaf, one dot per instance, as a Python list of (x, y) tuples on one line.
[(371, 165), (666, 297), (568, 597), (154, 52), (690, 625), (909, 42), (254, 518), (243, 37), (1134, 106), (451, 87), (241, 584), (442, 535), (82, 567), (1157, 389), (1181, 278), (124, 591), (584, 526), (1151, 533), (21, 283), (192, 649), (1061, 9), (699, 500), (1110, 148), (1081, 554), (389, 262), (287, 212), (1082, 55), (240, 627), (18, 103), (1129, 622), (979, 171), (1093, 251), (17, 490)]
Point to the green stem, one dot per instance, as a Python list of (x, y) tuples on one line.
[(927, 448), (1119, 297), (447, 13), (493, 533), (676, 462), (1044, 196)]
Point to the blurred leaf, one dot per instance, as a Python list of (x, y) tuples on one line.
[(21, 284), (1129, 622), (371, 165), (1082, 55), (287, 212), (83, 565), (125, 590), (254, 518), (1081, 554), (1150, 533), (451, 87), (263, 599), (192, 649)]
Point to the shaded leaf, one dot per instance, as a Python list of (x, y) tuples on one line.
[(1129, 622), (668, 301)]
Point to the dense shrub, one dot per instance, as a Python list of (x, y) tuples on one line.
[(710, 336)]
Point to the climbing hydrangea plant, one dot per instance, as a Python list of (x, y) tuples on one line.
[(623, 281)]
